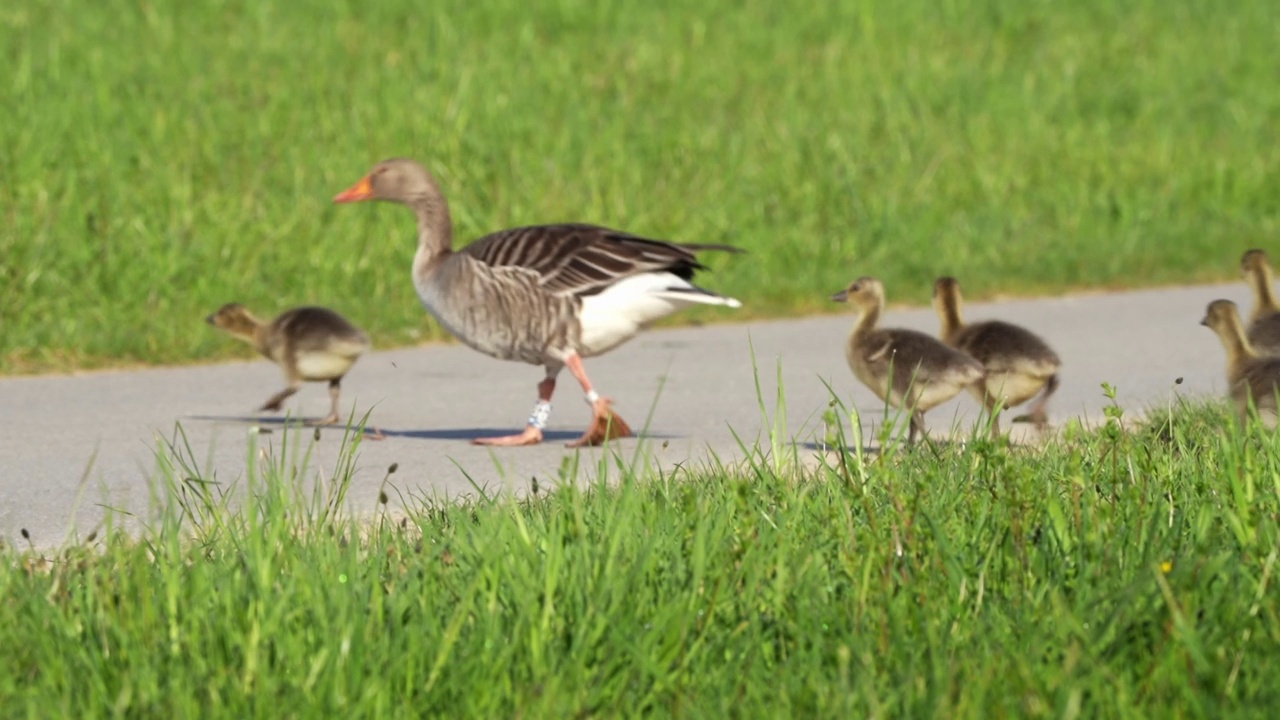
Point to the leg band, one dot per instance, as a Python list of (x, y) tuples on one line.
[(592, 397), (541, 413)]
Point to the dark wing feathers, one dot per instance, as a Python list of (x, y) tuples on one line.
[(925, 355), (573, 259), (314, 328), (1003, 346), (1264, 333), (1262, 379)]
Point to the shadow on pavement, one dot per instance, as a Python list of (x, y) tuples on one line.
[(463, 434)]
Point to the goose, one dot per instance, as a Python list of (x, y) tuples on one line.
[(1018, 363), (1264, 321), (1250, 376), (908, 369), (311, 344), (548, 295)]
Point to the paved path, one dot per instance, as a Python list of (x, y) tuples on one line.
[(72, 444)]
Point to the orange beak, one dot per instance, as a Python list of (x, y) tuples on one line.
[(362, 190)]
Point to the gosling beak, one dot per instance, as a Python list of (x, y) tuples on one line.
[(362, 190), (1205, 321), (842, 296), (209, 319)]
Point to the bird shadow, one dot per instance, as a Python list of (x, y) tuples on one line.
[(878, 450), (466, 434), (833, 447), (470, 434), (283, 423)]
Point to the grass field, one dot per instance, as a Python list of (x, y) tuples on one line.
[(1114, 573), (160, 158)]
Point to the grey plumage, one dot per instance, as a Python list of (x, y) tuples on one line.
[(518, 294), (545, 294)]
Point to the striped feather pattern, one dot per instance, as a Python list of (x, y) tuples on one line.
[(579, 260), (501, 311)]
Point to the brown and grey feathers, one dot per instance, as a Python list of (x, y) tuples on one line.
[(582, 260)]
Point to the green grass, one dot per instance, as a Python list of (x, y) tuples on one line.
[(158, 159), (1113, 573)]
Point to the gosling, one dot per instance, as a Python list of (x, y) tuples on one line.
[(1018, 363), (910, 370), (1251, 377), (311, 344), (1264, 321)]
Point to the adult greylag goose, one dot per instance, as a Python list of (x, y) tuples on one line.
[(311, 344), (910, 370), (1264, 321), (1018, 363), (547, 295), (1250, 376)]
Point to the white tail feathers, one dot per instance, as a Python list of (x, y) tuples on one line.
[(615, 315), (698, 295)]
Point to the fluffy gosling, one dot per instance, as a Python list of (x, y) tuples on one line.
[(1251, 377), (910, 370), (1264, 322), (1018, 363), (311, 344)]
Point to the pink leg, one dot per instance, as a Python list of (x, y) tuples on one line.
[(605, 423), (532, 434)]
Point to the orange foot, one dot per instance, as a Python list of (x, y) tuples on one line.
[(606, 425), (530, 436)]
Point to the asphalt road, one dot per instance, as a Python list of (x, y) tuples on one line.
[(74, 445)]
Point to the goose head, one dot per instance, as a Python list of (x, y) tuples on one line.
[(398, 180), (1254, 261), (1221, 317), (235, 319), (863, 293)]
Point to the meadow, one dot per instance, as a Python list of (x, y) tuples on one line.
[(1122, 571), (160, 158)]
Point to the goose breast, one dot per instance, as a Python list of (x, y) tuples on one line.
[(502, 312)]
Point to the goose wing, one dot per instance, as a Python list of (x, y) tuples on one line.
[(1264, 333), (920, 357), (1005, 347), (583, 260)]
